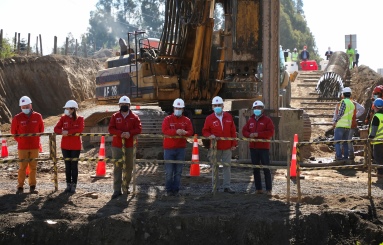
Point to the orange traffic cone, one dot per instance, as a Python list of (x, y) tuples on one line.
[(100, 170), (4, 148), (40, 148), (194, 167), (293, 166), (27, 171)]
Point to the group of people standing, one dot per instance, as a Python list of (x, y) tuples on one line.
[(125, 124), (218, 124), (345, 124)]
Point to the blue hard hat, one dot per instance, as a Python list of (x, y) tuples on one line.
[(378, 103)]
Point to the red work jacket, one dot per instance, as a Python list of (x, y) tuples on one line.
[(118, 125), (169, 127), (73, 127), (214, 127), (27, 124), (263, 126)]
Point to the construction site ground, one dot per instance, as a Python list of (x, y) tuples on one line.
[(335, 208)]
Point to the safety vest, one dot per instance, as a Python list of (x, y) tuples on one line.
[(346, 120), (379, 133), (294, 56)]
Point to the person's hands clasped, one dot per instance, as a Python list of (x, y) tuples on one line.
[(180, 132), (212, 136), (64, 133), (125, 135), (253, 135)]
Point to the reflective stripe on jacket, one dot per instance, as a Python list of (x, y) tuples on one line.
[(346, 120)]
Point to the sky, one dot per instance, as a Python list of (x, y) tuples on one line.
[(328, 20), (46, 17)]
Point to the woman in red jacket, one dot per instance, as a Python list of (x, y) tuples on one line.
[(70, 123), (260, 126)]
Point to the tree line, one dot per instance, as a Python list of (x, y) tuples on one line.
[(112, 19)]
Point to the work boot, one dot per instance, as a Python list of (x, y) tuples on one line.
[(68, 187), (228, 190), (116, 194), (32, 189), (20, 190), (73, 189)]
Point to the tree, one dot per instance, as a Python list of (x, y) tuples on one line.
[(6, 49)]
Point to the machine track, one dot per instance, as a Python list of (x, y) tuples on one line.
[(319, 110)]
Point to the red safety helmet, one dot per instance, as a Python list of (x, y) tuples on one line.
[(378, 89)]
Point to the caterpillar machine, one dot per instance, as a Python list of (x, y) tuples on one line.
[(239, 63)]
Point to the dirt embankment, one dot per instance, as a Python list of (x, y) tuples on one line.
[(49, 81)]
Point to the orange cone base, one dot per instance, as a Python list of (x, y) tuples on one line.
[(4, 151), (100, 171), (194, 170)]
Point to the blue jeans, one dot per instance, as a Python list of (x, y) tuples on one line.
[(351, 145), (261, 157), (341, 134), (173, 171)]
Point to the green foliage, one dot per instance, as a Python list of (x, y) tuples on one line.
[(6, 49), (294, 32)]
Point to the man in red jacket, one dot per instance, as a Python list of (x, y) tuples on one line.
[(260, 126), (175, 124), (221, 124), (123, 124), (27, 122)]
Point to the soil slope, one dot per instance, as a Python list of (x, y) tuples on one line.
[(49, 81)]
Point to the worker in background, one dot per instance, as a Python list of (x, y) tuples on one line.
[(328, 53), (350, 53), (70, 123), (342, 124), (376, 93), (356, 61), (305, 55), (294, 55), (358, 111), (27, 122), (260, 126), (175, 124), (123, 124), (288, 58), (281, 58), (221, 124), (376, 133)]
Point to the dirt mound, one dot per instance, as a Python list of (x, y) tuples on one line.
[(363, 81), (49, 81)]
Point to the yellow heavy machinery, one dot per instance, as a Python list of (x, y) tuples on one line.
[(190, 61)]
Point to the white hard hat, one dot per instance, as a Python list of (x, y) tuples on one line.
[(295, 49), (124, 100), (179, 103), (217, 100), (71, 104), (258, 103), (346, 90), (25, 100), (288, 50)]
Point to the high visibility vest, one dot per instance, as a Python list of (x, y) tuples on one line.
[(379, 133), (346, 120), (294, 56)]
